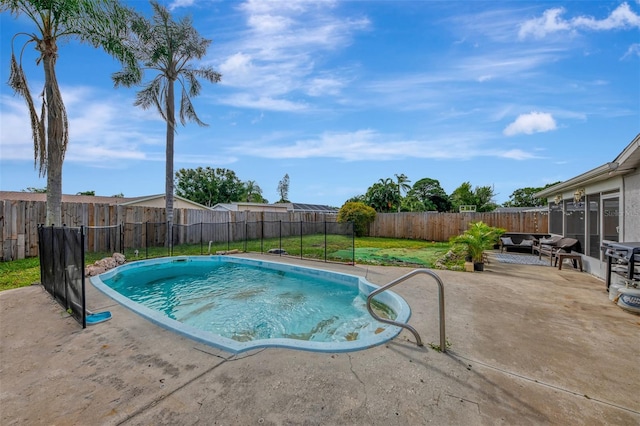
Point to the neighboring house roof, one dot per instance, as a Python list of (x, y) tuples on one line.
[(39, 196), (128, 201), (317, 208), (142, 201), (627, 162), (242, 206), (293, 207)]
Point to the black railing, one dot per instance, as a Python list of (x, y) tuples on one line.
[(61, 251), (327, 241)]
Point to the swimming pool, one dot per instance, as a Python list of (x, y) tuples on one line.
[(237, 304)]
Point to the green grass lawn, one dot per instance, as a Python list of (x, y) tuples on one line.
[(375, 251)]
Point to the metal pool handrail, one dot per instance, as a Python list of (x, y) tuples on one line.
[(397, 281)]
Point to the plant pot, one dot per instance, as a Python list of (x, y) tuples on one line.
[(478, 266)]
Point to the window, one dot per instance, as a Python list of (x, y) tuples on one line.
[(593, 226), (555, 218), (574, 222)]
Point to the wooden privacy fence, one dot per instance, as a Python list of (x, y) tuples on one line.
[(433, 226), (140, 225), (19, 221)]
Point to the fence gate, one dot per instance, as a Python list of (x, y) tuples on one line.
[(61, 252)]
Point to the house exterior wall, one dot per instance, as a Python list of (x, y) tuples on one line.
[(160, 203)]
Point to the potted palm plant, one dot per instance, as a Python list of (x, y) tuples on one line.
[(478, 238)]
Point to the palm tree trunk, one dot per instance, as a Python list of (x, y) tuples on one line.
[(171, 121), (56, 126)]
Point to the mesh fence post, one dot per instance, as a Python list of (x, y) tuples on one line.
[(280, 238), (169, 232), (325, 241), (64, 266), (353, 245), (84, 297), (300, 239), (146, 240)]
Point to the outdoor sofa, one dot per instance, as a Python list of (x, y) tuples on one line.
[(517, 242)]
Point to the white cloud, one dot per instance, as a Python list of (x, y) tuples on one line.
[(517, 154), (280, 52), (622, 17), (324, 86), (534, 122), (368, 145), (551, 22), (180, 3), (246, 100), (97, 131), (634, 50)]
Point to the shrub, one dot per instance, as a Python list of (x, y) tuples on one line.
[(478, 238), (360, 214)]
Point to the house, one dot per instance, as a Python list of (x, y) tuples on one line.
[(278, 207), (597, 206), (145, 201)]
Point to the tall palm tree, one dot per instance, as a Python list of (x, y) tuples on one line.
[(101, 23), (168, 48), (403, 185)]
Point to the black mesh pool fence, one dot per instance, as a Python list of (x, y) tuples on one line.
[(61, 251), (318, 240)]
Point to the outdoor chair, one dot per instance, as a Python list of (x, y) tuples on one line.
[(551, 248)]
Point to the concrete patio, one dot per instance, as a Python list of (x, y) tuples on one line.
[(530, 345)]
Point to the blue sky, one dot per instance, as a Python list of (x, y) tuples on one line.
[(341, 94)]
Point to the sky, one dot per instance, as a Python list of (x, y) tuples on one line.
[(341, 94)]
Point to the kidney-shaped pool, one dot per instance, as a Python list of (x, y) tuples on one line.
[(237, 304)]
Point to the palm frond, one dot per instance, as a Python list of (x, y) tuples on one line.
[(187, 111), (18, 82)]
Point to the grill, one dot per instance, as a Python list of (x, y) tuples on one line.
[(622, 259)]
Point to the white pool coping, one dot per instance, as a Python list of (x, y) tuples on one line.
[(389, 298)]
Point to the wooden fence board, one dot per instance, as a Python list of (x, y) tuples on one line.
[(19, 220)]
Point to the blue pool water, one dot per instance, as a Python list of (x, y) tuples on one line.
[(238, 304)]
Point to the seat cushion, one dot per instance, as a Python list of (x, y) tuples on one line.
[(506, 241)]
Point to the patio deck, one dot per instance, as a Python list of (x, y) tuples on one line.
[(529, 345)]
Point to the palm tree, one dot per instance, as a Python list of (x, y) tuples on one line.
[(252, 190), (403, 182), (102, 23), (167, 47)]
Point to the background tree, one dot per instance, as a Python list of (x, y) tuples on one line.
[(283, 189), (35, 190), (360, 214), (253, 193), (481, 197), (403, 185), (411, 204), (209, 186), (524, 197), (356, 199), (101, 23), (383, 195), (90, 193), (167, 47), (429, 192)]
